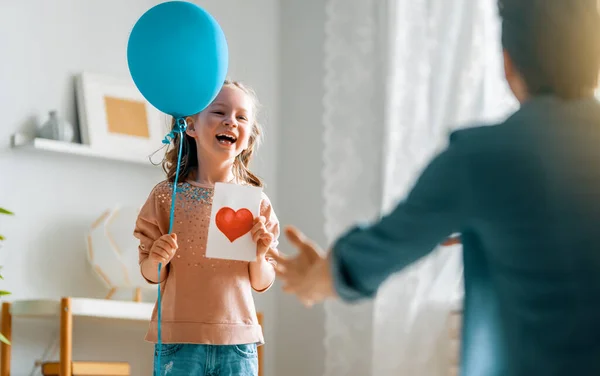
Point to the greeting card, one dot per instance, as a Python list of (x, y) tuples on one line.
[(234, 208)]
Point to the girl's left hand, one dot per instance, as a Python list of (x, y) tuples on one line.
[(262, 237)]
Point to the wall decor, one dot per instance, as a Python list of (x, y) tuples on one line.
[(57, 128), (116, 119), (112, 251)]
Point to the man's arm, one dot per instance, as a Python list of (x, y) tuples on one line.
[(367, 255)]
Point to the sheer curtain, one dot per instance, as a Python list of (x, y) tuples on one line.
[(400, 75)]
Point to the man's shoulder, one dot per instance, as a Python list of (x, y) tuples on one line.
[(476, 133), (483, 137)]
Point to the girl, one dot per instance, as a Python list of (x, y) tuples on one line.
[(209, 323)]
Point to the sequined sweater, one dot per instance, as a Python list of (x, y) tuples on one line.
[(204, 300)]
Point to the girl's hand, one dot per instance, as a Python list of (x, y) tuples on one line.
[(163, 249), (262, 237)]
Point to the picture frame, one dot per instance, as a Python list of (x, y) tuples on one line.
[(116, 120)]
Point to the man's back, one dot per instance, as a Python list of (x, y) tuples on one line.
[(525, 196), (532, 241)]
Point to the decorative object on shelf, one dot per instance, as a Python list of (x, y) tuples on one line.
[(2, 292), (112, 251), (57, 128), (114, 117)]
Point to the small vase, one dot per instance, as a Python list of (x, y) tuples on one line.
[(56, 128)]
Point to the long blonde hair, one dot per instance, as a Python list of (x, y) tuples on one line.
[(189, 156)]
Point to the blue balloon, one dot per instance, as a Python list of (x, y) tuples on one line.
[(178, 57)]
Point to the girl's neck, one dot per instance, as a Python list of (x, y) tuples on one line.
[(211, 173)]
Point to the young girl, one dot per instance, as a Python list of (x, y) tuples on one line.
[(209, 322)]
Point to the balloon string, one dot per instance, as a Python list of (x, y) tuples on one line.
[(179, 127), (159, 349)]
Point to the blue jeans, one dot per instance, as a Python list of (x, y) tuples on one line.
[(207, 360)]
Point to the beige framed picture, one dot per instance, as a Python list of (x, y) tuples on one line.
[(115, 119)]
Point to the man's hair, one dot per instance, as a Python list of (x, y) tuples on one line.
[(554, 44)]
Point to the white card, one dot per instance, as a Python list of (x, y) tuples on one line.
[(234, 208)]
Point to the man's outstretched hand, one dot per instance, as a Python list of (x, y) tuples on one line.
[(307, 275)]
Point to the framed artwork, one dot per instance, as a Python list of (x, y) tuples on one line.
[(116, 120)]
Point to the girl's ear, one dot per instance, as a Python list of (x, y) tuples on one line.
[(190, 130)]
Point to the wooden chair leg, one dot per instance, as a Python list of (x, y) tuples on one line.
[(6, 327), (111, 292), (138, 295), (66, 338)]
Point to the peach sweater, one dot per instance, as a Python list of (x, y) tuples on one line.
[(204, 301)]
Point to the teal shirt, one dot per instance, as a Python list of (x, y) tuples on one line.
[(525, 196)]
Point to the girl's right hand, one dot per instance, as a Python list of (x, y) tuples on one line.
[(163, 249)]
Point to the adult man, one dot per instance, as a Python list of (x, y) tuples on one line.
[(525, 196)]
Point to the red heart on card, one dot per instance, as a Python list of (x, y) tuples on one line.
[(234, 224)]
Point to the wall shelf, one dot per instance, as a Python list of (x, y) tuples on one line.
[(23, 141)]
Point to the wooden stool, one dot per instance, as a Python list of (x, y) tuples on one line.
[(65, 366), (65, 309), (89, 369)]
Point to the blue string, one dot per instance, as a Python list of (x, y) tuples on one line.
[(157, 365), (179, 127)]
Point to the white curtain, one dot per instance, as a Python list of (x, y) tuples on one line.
[(400, 75)]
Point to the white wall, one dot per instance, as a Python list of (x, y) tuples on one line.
[(300, 333), (56, 197)]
